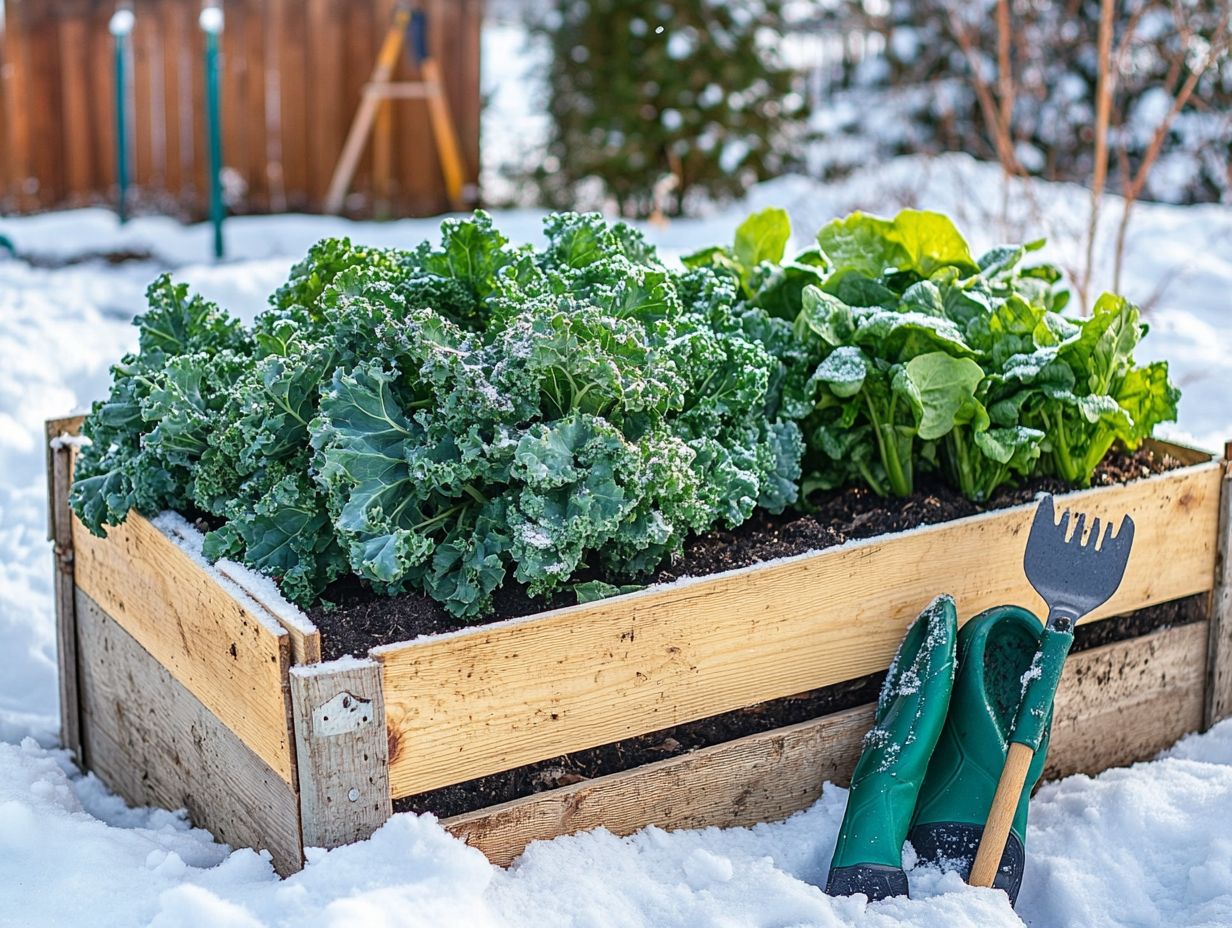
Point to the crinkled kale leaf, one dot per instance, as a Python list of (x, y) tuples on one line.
[(450, 417)]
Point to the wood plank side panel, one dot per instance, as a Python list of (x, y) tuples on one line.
[(154, 743), (480, 701), (305, 638), (1219, 653), (60, 529), (760, 778), (341, 751), (1117, 704), (225, 653)]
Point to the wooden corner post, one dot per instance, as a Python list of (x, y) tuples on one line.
[(341, 750), (60, 533), (1219, 651)]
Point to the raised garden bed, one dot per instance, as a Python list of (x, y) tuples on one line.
[(184, 687)]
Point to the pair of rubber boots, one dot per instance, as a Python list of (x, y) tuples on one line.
[(933, 758)]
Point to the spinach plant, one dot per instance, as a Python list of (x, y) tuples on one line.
[(899, 351)]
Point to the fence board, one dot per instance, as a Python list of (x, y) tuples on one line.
[(16, 142), (97, 63), (292, 73)]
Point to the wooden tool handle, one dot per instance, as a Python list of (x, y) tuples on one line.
[(1001, 815)]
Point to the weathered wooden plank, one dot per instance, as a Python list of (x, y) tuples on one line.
[(1117, 704), (328, 123), (225, 651), (154, 743), (1219, 652), (495, 697), (1127, 701), (1183, 453), (74, 81), (759, 778), (341, 751), (305, 637), (60, 529), (53, 428)]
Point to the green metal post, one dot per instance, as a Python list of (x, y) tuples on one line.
[(211, 22), (120, 26)]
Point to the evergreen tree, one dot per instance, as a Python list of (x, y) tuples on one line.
[(640, 90)]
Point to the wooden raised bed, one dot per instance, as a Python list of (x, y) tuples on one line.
[(182, 687)]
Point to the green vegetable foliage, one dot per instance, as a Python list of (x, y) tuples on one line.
[(454, 417), (451, 417), (906, 353)]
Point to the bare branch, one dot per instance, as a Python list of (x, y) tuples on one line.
[(1005, 73), (1103, 109), (1132, 186), (999, 131)]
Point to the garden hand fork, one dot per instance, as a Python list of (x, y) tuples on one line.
[(1074, 576)]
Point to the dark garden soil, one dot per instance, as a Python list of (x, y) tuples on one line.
[(633, 752), (360, 619)]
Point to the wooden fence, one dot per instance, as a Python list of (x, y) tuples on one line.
[(292, 73)]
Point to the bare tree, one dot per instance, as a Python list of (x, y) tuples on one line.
[(1104, 88), (1194, 56), (996, 106)]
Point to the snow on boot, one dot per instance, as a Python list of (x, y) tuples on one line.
[(910, 714)]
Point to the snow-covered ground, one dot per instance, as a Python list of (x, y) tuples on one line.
[(1146, 846)]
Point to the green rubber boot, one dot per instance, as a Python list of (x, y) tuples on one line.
[(995, 650), (910, 714)]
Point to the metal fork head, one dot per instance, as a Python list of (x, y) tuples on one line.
[(1073, 569)]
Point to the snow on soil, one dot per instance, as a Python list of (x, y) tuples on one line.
[(1143, 846)]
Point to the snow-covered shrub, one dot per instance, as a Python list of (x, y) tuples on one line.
[(908, 88), (654, 101)]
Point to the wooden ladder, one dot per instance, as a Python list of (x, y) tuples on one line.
[(380, 88)]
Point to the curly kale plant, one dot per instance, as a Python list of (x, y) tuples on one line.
[(449, 417), (905, 353)]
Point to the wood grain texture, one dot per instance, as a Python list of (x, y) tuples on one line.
[(1219, 652), (1001, 815), (154, 743), (1117, 704), (1126, 702), (290, 79), (60, 529), (54, 428), (226, 652), (305, 637), (342, 753), (758, 778), (483, 700)]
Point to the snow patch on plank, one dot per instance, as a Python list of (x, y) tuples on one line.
[(184, 535), (324, 669)]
